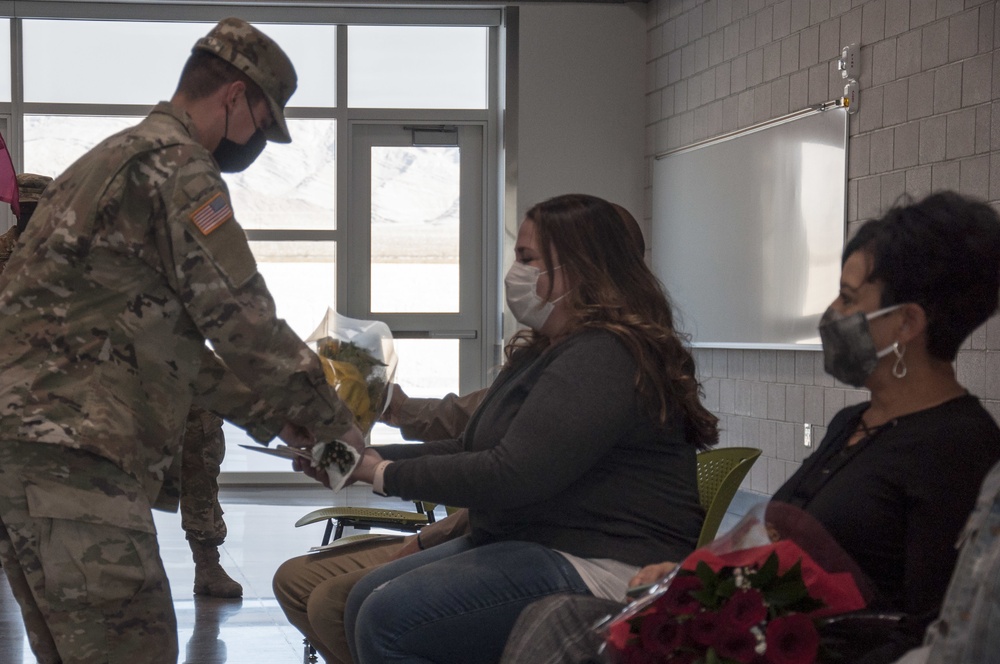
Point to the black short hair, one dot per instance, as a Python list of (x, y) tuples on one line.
[(942, 253), (205, 72)]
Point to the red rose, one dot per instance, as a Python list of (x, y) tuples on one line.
[(684, 657), (706, 628), (661, 633), (792, 639), (677, 600), (636, 655), (744, 609), (737, 645)]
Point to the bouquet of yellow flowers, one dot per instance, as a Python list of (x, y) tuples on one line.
[(359, 362)]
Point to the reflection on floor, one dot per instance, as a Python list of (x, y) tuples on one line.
[(261, 535)]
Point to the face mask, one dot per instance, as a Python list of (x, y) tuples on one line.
[(234, 157), (27, 209), (521, 287), (849, 353)]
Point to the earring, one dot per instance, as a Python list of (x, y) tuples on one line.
[(899, 368)]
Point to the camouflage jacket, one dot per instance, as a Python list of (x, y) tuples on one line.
[(132, 260), (7, 242)]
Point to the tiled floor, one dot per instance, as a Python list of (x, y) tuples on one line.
[(261, 535)]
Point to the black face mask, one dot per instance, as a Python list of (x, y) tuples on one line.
[(27, 209), (233, 157)]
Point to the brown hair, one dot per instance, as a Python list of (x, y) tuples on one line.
[(614, 291), (204, 73)]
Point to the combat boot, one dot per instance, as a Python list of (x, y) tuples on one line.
[(209, 577)]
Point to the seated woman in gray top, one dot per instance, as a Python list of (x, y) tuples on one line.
[(578, 468), (312, 589)]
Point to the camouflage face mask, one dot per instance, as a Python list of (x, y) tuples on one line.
[(849, 353)]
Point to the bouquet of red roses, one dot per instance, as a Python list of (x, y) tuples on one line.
[(755, 605)]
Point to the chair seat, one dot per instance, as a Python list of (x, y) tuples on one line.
[(371, 516)]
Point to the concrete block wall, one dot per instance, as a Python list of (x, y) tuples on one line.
[(929, 119)]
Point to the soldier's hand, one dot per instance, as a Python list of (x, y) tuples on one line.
[(294, 435), (304, 466)]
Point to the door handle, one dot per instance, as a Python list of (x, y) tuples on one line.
[(435, 334)]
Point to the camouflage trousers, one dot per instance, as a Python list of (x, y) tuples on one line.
[(203, 450), (79, 548)]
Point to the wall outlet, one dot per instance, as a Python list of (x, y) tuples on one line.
[(807, 435)]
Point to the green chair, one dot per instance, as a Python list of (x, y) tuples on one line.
[(720, 472), (366, 518)]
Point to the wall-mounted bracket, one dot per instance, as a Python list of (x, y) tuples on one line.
[(849, 63), (851, 96)]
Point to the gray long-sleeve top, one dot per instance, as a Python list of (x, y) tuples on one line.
[(561, 453)]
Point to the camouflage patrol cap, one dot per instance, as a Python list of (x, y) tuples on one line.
[(30, 186), (260, 58)]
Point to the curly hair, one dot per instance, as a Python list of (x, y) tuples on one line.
[(614, 289), (942, 253)]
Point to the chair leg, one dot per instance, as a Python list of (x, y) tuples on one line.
[(309, 653), (328, 532)]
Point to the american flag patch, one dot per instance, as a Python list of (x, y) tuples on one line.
[(212, 214)]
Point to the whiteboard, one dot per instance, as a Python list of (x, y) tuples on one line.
[(748, 231)]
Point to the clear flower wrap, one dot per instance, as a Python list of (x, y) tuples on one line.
[(359, 361)]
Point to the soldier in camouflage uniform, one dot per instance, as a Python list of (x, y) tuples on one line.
[(201, 515), (29, 189), (132, 261), (203, 451)]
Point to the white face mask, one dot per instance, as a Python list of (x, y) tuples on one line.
[(521, 287)]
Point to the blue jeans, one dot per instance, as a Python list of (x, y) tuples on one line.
[(454, 602)]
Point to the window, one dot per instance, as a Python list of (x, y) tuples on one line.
[(408, 249), (417, 67)]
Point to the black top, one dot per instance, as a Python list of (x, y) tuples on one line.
[(896, 500), (560, 453)]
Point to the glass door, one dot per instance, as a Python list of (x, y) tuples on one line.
[(415, 251)]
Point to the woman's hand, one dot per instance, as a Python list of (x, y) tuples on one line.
[(365, 470), (651, 574), (354, 438), (391, 414), (439, 532)]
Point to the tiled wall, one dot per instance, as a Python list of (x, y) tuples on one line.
[(929, 119)]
